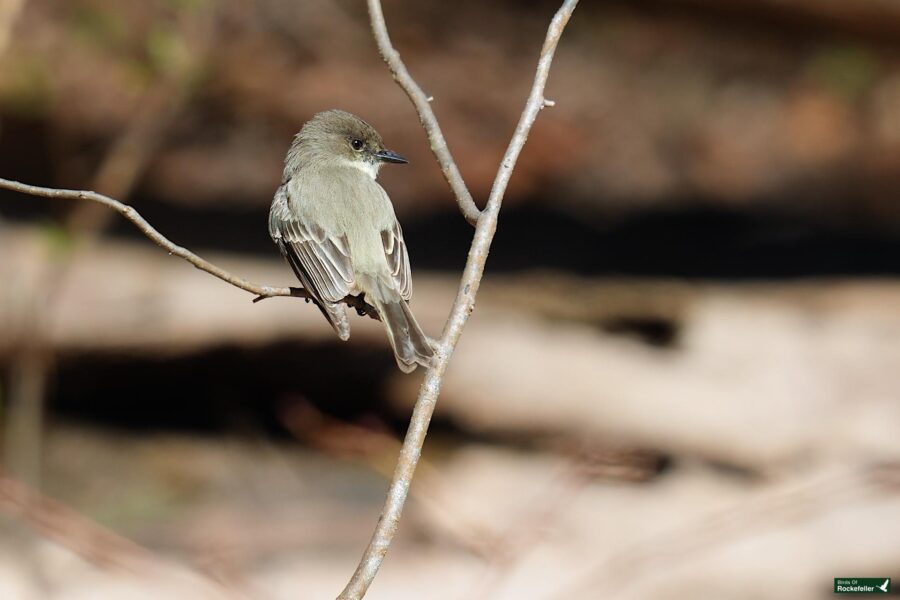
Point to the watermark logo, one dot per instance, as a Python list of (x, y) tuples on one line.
[(862, 585)]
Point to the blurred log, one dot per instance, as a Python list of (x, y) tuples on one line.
[(259, 502), (694, 529), (758, 378), (132, 296), (756, 375)]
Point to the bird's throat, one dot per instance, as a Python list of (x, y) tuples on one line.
[(370, 169)]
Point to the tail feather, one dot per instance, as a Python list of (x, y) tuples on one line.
[(410, 344), (337, 316)]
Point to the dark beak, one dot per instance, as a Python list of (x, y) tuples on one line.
[(391, 157)]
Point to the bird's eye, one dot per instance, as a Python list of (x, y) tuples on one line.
[(356, 144)]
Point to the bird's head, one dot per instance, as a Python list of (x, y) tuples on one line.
[(336, 137)]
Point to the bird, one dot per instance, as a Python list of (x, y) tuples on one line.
[(336, 227), (884, 586)]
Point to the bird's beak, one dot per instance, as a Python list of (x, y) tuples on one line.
[(391, 157)]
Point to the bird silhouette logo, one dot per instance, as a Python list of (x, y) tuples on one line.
[(885, 586)]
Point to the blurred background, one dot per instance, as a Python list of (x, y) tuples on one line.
[(681, 379)]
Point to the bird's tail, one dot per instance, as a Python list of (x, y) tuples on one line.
[(411, 346), (337, 316)]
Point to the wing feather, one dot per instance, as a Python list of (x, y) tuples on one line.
[(397, 259), (321, 262)]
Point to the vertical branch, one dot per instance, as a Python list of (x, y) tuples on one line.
[(23, 429), (26, 368), (9, 16), (119, 171), (423, 107), (485, 226), (25, 387), (99, 545), (465, 299)]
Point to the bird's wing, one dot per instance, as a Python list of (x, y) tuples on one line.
[(397, 259), (321, 262)]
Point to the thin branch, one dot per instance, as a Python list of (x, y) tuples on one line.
[(374, 449), (9, 16), (132, 215), (422, 102), (262, 292), (485, 226), (462, 306), (93, 542)]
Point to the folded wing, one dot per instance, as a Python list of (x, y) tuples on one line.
[(321, 262), (397, 260)]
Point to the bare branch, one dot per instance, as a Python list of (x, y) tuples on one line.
[(262, 291), (485, 226), (132, 215), (358, 303), (9, 16), (95, 543), (465, 298), (423, 107)]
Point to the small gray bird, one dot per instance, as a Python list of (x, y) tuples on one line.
[(336, 227)]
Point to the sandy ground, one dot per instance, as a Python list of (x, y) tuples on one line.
[(262, 520)]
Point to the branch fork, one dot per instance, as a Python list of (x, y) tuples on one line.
[(484, 221)]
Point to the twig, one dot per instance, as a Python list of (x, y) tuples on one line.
[(262, 291), (132, 215), (465, 298), (93, 542), (423, 107), (357, 303), (89, 540), (485, 226), (376, 449), (9, 16)]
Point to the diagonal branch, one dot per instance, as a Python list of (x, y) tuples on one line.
[(423, 107), (97, 544), (462, 307), (262, 291), (132, 215), (485, 226)]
